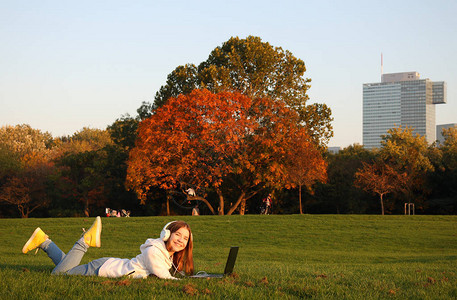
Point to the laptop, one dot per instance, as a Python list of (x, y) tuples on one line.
[(228, 266)]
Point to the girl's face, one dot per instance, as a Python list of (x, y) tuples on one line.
[(178, 240)]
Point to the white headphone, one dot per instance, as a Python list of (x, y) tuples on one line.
[(165, 233)]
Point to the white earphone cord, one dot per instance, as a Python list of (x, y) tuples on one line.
[(171, 260), (176, 270)]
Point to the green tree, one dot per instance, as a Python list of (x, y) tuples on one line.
[(123, 132), (87, 139), (25, 166), (83, 161), (449, 149), (257, 70), (9, 163), (443, 199), (338, 194), (408, 154), (26, 142), (85, 171), (181, 80)]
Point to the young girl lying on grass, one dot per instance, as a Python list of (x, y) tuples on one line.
[(171, 253)]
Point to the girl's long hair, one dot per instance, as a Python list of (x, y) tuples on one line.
[(184, 259)]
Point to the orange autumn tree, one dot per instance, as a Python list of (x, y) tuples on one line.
[(261, 162), (189, 141), (306, 165), (379, 178), (210, 140)]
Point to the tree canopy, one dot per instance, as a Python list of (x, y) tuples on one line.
[(204, 139), (379, 178), (306, 165), (25, 167), (408, 155), (258, 70)]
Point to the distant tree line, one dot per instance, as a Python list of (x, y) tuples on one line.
[(222, 136), (80, 175)]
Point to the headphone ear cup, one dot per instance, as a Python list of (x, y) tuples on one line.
[(165, 235)]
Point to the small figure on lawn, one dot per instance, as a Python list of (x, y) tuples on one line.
[(267, 205)]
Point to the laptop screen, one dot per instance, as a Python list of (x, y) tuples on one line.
[(231, 260)]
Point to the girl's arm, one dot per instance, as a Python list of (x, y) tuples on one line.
[(157, 263)]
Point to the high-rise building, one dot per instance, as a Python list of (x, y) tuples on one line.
[(400, 99), (439, 131), (334, 150)]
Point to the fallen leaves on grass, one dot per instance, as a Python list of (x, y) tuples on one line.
[(173, 284), (393, 291), (125, 282), (249, 283), (430, 281), (25, 270), (264, 280), (189, 289), (321, 276)]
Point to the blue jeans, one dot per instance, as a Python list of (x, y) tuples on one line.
[(69, 264)]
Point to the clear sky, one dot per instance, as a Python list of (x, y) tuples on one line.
[(65, 65)]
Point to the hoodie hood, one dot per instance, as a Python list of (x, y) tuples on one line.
[(159, 243)]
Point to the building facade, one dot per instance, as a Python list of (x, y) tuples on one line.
[(400, 99), (439, 131)]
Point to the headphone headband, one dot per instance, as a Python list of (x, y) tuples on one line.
[(166, 225), (165, 233)]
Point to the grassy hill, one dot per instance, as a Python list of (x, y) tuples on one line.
[(284, 256)]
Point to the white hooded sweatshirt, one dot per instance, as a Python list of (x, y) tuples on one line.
[(154, 259)]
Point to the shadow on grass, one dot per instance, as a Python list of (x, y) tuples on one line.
[(26, 268)]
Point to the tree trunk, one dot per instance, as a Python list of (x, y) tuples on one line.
[(299, 199), (204, 200), (382, 204), (243, 206), (86, 206), (168, 206), (221, 203), (22, 209), (234, 206)]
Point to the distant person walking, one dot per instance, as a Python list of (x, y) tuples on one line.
[(267, 202), (195, 211)]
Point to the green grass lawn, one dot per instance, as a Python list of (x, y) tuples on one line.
[(284, 256)]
